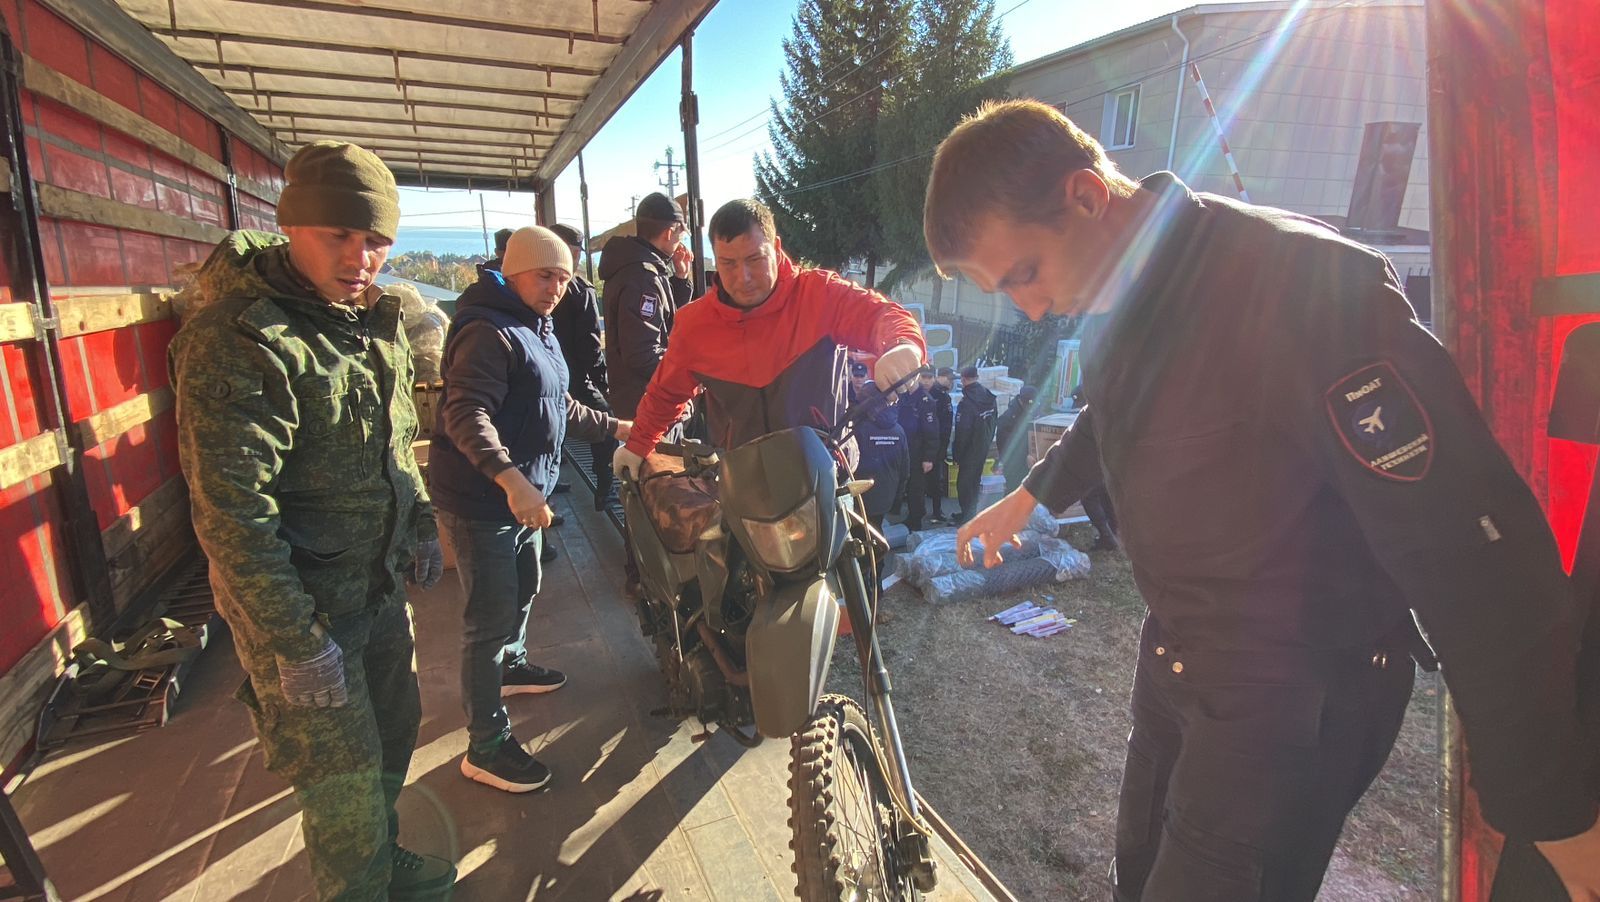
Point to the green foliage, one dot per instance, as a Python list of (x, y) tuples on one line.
[(843, 60), (957, 48), (871, 88), (451, 271)]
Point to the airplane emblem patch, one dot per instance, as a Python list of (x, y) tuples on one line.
[(1381, 423)]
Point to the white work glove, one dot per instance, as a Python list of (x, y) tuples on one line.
[(895, 364), (625, 461), (318, 682), (430, 564)]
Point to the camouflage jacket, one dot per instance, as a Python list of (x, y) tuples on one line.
[(295, 425)]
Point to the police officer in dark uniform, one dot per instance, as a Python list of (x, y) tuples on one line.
[(1298, 468), (939, 479), (920, 419)]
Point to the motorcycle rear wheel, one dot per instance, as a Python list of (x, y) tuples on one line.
[(841, 814)]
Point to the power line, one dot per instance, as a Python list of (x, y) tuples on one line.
[(768, 121), (1251, 39)]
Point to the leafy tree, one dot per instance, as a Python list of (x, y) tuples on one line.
[(452, 271), (957, 52), (844, 58)]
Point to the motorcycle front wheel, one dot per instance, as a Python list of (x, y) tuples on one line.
[(841, 814)]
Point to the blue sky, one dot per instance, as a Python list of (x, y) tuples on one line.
[(738, 57)]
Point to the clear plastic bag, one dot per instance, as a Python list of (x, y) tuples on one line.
[(426, 326)]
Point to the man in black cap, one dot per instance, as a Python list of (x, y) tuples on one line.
[(646, 278), (500, 239)]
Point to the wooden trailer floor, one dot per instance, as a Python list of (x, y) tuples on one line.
[(637, 810)]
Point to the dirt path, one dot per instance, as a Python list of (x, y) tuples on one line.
[(1019, 742)]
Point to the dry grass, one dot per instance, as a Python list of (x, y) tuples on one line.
[(1018, 742)]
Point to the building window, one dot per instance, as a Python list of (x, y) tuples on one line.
[(1121, 119)]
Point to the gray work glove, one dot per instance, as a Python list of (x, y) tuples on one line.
[(317, 683), (429, 565)]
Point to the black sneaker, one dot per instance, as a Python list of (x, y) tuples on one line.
[(414, 876), (557, 520), (561, 487), (1106, 543), (508, 767), (524, 679), (547, 553)]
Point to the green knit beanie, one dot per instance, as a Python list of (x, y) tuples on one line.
[(331, 183)]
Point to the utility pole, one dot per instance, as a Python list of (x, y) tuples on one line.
[(671, 181), (583, 197), (483, 217)]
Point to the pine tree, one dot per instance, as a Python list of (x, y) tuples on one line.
[(957, 50), (843, 60)]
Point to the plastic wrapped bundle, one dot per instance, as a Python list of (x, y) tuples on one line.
[(426, 326), (936, 556), (968, 585)]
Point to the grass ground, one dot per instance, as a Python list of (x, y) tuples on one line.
[(1018, 742)]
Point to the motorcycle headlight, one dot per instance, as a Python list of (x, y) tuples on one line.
[(788, 543)]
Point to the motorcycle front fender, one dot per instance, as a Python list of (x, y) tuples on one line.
[(789, 646)]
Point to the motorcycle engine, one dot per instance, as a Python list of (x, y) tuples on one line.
[(707, 689)]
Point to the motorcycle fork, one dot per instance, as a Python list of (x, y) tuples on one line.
[(876, 676)]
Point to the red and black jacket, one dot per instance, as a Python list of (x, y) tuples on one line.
[(769, 367)]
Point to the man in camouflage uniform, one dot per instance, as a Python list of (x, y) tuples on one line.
[(295, 426)]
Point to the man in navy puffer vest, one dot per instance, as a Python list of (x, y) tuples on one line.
[(495, 456)]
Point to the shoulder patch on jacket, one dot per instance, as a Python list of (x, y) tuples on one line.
[(1380, 422), (647, 305)]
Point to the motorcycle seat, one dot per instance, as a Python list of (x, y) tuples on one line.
[(680, 507)]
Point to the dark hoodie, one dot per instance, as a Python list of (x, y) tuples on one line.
[(505, 403), (641, 298), (884, 456), (975, 422)]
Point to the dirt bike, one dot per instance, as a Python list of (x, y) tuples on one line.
[(744, 556)]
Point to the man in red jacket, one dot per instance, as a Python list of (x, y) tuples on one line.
[(765, 342)]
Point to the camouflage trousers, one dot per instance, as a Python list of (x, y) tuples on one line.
[(346, 764)]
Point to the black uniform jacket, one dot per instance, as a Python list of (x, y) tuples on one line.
[(1296, 462), (641, 297)]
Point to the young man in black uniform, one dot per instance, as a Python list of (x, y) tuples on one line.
[(939, 478), (975, 423), (919, 418), (1298, 467)]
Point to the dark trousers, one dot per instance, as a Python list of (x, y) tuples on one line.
[(918, 485), (1097, 505), (969, 479), (938, 486), (498, 564), (1241, 770), (600, 465)]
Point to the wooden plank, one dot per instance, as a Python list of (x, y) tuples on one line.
[(23, 688), (31, 457), (64, 203), (47, 82), (256, 188), (82, 314), (120, 534), (16, 322), (112, 422), (153, 550)]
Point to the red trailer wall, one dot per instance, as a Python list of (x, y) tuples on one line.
[(1516, 182), (92, 258)]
